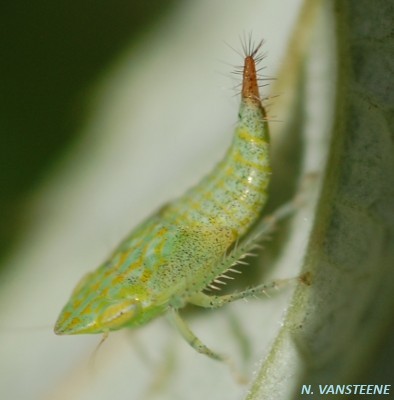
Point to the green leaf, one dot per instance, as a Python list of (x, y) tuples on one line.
[(335, 326)]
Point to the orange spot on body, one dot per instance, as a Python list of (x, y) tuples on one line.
[(95, 287), (146, 275), (87, 310), (161, 232), (118, 280), (74, 322), (77, 303), (108, 273), (66, 315), (123, 257)]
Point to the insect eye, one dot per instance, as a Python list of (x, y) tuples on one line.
[(118, 315)]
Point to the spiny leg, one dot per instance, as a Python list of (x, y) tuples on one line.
[(200, 347), (253, 239), (209, 301), (242, 250), (268, 224), (249, 243), (93, 357), (191, 338)]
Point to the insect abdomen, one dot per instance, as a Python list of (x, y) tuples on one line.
[(233, 194)]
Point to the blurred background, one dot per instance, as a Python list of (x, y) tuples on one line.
[(52, 56)]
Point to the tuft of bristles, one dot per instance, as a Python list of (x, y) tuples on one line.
[(251, 49), (235, 258)]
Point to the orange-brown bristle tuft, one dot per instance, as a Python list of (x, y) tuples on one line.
[(250, 81), (250, 87)]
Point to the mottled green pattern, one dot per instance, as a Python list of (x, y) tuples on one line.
[(234, 192), (176, 253)]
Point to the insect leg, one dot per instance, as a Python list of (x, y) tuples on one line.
[(268, 224), (247, 245), (253, 239), (191, 338), (208, 301)]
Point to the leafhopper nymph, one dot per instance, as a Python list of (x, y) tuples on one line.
[(191, 243)]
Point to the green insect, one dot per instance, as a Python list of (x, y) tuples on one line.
[(190, 244)]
